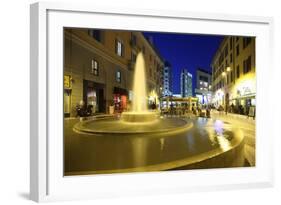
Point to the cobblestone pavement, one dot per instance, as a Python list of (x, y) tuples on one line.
[(248, 126)]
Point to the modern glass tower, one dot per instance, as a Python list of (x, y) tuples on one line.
[(167, 80), (186, 83)]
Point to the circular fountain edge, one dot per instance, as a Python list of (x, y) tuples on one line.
[(80, 128)]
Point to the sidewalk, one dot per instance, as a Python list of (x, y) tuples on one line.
[(231, 116), (247, 125)]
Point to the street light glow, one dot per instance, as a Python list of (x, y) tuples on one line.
[(223, 74), (228, 69)]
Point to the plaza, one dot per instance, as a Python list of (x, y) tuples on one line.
[(94, 154), (121, 113)]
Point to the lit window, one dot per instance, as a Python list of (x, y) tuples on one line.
[(119, 48), (95, 67), (118, 76)]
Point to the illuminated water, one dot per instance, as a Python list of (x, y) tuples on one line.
[(139, 86), (139, 112)]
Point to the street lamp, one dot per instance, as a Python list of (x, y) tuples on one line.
[(228, 69), (223, 74)]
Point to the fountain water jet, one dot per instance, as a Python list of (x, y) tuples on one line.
[(139, 111)]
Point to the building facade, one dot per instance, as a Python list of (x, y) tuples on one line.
[(186, 83), (167, 80), (99, 67), (203, 86), (234, 78)]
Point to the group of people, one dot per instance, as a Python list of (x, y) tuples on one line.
[(248, 110)]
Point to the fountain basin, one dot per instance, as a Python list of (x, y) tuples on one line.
[(206, 144), (114, 125), (139, 116)]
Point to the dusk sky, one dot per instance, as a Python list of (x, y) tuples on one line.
[(188, 51)]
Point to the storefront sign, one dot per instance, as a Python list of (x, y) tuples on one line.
[(67, 81), (244, 91), (246, 87)]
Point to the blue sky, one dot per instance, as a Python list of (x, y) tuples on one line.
[(188, 51)]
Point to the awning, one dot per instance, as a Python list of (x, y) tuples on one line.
[(120, 91)]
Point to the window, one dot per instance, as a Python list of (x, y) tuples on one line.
[(96, 34), (237, 71), (118, 76), (134, 40), (221, 58), (133, 57), (203, 78), (119, 48), (246, 41), (231, 58), (226, 51), (230, 43), (227, 79), (237, 50), (95, 68), (237, 38), (247, 65)]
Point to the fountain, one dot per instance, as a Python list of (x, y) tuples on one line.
[(141, 140), (139, 119)]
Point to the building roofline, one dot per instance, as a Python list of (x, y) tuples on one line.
[(218, 50), (204, 71), (154, 48)]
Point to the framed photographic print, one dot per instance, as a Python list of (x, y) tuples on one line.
[(128, 102)]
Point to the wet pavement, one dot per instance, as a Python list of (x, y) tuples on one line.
[(248, 127), (97, 153)]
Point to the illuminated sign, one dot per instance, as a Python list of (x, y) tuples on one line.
[(67, 81), (246, 86)]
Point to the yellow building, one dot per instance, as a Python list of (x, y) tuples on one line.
[(99, 67), (233, 73)]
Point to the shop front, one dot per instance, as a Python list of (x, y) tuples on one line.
[(67, 95), (244, 96), (153, 101), (93, 96), (120, 99), (219, 98)]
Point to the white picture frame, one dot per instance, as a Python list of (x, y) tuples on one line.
[(47, 182)]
